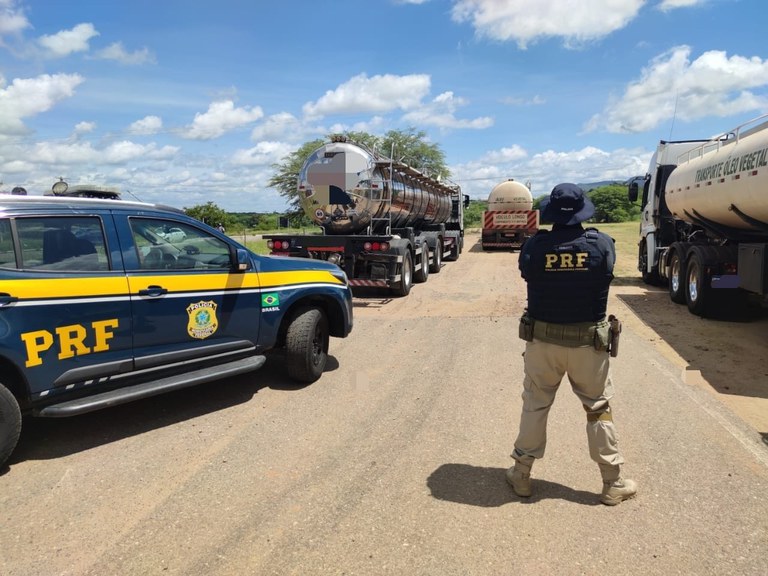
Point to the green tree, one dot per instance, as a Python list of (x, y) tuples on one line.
[(409, 146), (287, 174), (612, 205), (209, 213), (473, 214), (537, 201)]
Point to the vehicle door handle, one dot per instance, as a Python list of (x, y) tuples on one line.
[(6, 298), (153, 291)]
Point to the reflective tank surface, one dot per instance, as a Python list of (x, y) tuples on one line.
[(722, 179), (510, 195), (344, 187)]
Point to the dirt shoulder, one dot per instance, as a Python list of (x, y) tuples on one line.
[(724, 357)]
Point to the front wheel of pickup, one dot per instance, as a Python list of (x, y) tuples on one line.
[(10, 424), (306, 345)]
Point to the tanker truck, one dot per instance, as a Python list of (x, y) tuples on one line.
[(704, 227), (509, 220), (386, 224)]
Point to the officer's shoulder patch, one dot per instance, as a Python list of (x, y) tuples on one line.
[(592, 235)]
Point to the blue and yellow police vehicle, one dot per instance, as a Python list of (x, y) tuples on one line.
[(107, 301)]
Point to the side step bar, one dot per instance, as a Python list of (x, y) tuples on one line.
[(151, 388)]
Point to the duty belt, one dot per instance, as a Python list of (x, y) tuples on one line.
[(573, 335)]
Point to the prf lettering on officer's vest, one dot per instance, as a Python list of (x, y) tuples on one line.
[(554, 262), (70, 340)]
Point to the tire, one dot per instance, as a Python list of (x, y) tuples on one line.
[(10, 424), (306, 345), (437, 260), (422, 273), (651, 278), (455, 251), (677, 278), (403, 287), (698, 292), (453, 255)]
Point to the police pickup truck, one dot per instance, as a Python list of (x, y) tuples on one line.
[(99, 305)]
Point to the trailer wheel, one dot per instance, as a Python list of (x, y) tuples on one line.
[(677, 278), (422, 273), (306, 345), (403, 287), (698, 294), (437, 261), (453, 255), (10, 424)]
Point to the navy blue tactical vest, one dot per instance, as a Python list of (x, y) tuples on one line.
[(568, 271)]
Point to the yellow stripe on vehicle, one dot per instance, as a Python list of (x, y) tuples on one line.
[(65, 287), (269, 279), (98, 286), (194, 281)]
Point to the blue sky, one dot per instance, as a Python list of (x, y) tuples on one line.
[(184, 101)]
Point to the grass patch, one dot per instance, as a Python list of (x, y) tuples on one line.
[(626, 235)]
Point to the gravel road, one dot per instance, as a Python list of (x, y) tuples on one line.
[(393, 463)]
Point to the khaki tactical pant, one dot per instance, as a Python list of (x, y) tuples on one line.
[(589, 374)]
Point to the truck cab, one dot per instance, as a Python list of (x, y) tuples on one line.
[(657, 224)]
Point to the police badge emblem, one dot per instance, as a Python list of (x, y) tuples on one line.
[(202, 319)]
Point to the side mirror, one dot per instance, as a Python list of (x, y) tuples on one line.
[(466, 200), (243, 261), (633, 191)]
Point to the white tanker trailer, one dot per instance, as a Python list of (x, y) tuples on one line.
[(510, 219), (383, 222), (704, 228)]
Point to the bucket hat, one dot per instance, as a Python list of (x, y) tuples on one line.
[(567, 205)]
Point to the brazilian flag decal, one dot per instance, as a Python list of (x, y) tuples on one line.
[(270, 300)]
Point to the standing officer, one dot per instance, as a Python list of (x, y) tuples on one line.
[(568, 272)]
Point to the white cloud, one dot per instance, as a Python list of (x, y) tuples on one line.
[(279, 125), (85, 127), (81, 153), (27, 97), (375, 124), (67, 42), (510, 154), (441, 113), (668, 5), (58, 153), (673, 86), (517, 101), (16, 167), (585, 165), (146, 126), (124, 151), (221, 117), (378, 94), (12, 19), (526, 22), (117, 52), (263, 154)]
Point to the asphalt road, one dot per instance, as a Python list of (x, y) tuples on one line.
[(393, 463)]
